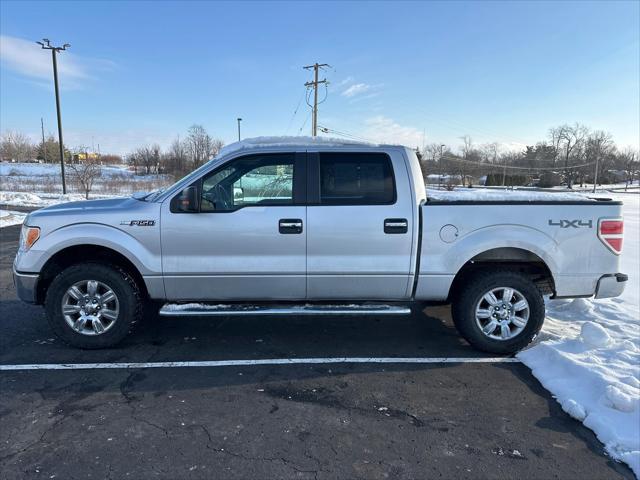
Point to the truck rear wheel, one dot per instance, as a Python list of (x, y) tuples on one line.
[(498, 312), (93, 305)]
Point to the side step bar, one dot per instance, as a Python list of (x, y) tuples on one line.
[(208, 309)]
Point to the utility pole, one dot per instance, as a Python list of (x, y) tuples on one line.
[(440, 165), (316, 66), (44, 145), (46, 45), (504, 171), (239, 120), (595, 175)]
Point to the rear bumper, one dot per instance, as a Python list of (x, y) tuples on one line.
[(611, 285), (26, 286)]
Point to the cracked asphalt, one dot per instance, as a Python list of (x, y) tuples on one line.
[(373, 421)]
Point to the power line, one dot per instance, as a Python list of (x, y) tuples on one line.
[(304, 123), (295, 112), (314, 84), (345, 134), (491, 165)]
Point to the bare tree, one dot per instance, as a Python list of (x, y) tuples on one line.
[(85, 172), (599, 145), (16, 146), (146, 157), (467, 151), (175, 160), (569, 140), (201, 146)]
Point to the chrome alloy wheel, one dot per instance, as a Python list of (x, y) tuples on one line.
[(90, 307), (502, 313)]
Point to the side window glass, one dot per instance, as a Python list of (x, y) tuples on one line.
[(356, 179), (256, 180)]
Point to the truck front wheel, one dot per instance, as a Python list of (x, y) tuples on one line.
[(93, 305), (498, 312)]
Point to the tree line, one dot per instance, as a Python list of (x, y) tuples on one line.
[(182, 156), (18, 147), (570, 154)]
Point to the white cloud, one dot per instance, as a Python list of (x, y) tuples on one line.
[(356, 89), (346, 81), (382, 129), (28, 59)]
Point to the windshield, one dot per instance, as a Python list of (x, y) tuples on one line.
[(151, 196)]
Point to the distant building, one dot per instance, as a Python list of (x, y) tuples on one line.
[(83, 156)]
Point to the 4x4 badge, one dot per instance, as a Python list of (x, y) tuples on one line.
[(571, 223)]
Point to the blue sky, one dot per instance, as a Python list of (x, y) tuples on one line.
[(142, 72)]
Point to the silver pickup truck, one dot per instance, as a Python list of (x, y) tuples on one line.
[(272, 227)]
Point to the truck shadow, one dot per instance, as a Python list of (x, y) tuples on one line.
[(428, 333)]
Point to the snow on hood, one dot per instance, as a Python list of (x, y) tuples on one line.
[(108, 203)]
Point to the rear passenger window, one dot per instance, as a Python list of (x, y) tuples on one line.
[(356, 179)]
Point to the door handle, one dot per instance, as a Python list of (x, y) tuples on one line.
[(396, 225), (290, 225)]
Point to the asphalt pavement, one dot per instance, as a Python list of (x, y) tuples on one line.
[(373, 421)]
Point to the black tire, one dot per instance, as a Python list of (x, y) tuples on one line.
[(471, 291), (123, 285)]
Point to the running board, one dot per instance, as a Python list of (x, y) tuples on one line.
[(207, 309)]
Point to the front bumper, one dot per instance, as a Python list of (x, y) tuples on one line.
[(611, 285), (26, 286)]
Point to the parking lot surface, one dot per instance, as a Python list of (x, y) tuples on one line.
[(370, 420)]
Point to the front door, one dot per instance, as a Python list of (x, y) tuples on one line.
[(248, 238)]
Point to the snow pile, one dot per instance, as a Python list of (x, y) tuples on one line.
[(8, 218), (24, 169), (588, 355), (483, 195), (24, 199)]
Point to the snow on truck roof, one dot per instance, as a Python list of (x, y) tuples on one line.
[(275, 142)]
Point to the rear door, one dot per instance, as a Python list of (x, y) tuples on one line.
[(359, 226), (248, 238)]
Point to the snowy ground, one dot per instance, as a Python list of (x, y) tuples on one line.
[(45, 178), (588, 355), (8, 218)]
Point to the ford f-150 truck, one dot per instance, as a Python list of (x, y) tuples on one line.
[(315, 227)]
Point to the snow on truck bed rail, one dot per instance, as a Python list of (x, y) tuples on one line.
[(487, 195)]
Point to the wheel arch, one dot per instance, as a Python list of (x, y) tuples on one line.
[(77, 254), (513, 258)]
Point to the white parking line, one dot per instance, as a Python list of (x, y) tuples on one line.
[(243, 363)]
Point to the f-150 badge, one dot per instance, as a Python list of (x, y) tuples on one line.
[(138, 223)]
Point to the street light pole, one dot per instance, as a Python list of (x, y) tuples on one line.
[(46, 45), (44, 146), (239, 120)]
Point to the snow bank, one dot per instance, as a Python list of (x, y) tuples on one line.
[(19, 169), (483, 194), (8, 218), (24, 199), (588, 354)]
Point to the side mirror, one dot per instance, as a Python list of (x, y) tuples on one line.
[(188, 200)]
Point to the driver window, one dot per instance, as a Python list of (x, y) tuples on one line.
[(256, 180)]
